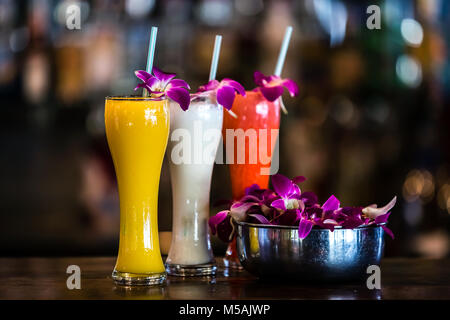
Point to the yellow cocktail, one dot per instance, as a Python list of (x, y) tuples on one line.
[(137, 129)]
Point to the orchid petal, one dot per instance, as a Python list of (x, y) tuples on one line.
[(252, 189), (225, 97), (225, 230), (295, 190), (180, 96), (142, 85), (294, 193), (250, 198), (143, 75), (331, 204), (351, 222), (388, 231), (260, 218), (330, 221), (291, 86), (154, 84), (215, 220), (179, 83), (239, 210), (298, 179), (241, 207), (278, 204), (258, 77), (373, 212), (211, 85), (163, 77), (309, 198), (271, 93), (382, 219), (234, 84), (281, 184), (304, 228)]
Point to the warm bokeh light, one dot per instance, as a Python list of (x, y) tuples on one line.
[(418, 184), (444, 197)]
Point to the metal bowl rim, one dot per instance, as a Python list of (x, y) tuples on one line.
[(270, 226)]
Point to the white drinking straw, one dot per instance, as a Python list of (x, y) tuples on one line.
[(150, 55), (283, 51), (215, 58)]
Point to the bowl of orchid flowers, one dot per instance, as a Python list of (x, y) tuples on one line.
[(287, 233)]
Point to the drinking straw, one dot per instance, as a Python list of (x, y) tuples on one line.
[(151, 49), (215, 58), (215, 63), (281, 58), (151, 54), (283, 51)]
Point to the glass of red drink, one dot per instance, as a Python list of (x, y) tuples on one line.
[(259, 121)]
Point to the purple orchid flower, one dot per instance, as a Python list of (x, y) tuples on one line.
[(221, 223), (262, 197), (288, 191), (320, 216), (380, 215), (272, 87), (288, 205), (373, 212), (225, 91), (164, 84)]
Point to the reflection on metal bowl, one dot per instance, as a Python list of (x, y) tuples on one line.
[(277, 252)]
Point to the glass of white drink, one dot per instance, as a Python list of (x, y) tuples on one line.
[(194, 140)]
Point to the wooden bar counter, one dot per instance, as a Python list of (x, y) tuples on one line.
[(45, 278)]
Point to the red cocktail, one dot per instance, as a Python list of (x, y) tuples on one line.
[(249, 158)]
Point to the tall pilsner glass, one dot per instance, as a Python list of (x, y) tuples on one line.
[(253, 112), (137, 130), (195, 136)]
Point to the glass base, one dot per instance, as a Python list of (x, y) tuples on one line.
[(181, 270), (138, 279), (231, 259), (232, 263)]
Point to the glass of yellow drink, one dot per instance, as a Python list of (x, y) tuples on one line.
[(137, 130)]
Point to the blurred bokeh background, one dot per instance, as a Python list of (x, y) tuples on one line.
[(372, 119)]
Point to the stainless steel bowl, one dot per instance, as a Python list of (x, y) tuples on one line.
[(277, 252)]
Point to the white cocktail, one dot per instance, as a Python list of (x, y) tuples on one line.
[(194, 140)]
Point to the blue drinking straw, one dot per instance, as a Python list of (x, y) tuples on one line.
[(150, 55), (215, 58), (283, 51), (151, 49)]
